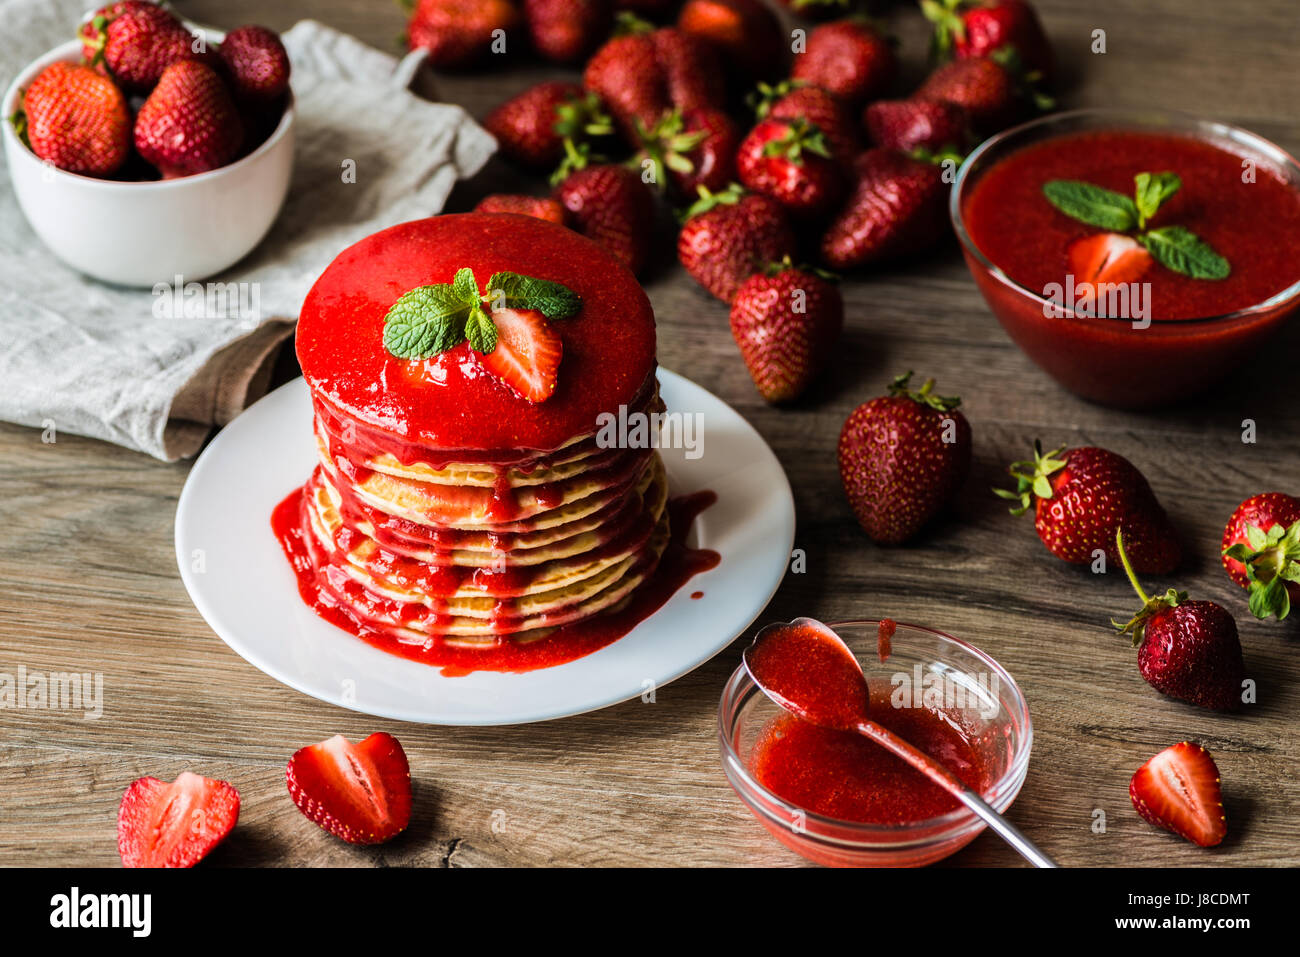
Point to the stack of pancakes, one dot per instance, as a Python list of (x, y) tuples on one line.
[(414, 532)]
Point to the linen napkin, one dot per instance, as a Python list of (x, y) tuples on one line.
[(80, 356)]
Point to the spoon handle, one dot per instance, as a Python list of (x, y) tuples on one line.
[(941, 776)]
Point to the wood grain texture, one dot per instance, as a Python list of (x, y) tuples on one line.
[(88, 579)]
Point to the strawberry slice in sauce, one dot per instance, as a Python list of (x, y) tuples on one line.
[(176, 823), (527, 355), (360, 793), (1179, 791), (1108, 258)]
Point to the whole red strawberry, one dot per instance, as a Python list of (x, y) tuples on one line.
[(613, 206), (189, 124), (985, 88), (848, 59), (786, 321), (1261, 551), (360, 793), (976, 28), (729, 235), (76, 119), (745, 32), (461, 33), (898, 207), (790, 161), (539, 207), (567, 30), (642, 74), (931, 125), (790, 100), (1083, 498), (1179, 790), (691, 149), (174, 823), (1188, 650), (902, 458), (137, 41), (257, 63), (531, 127)]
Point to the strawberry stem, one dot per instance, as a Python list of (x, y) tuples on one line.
[(1128, 567)]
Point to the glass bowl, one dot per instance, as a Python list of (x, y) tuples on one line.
[(995, 715), (1105, 359)]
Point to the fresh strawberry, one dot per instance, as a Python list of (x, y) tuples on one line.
[(898, 208), (1188, 650), (174, 823), (611, 205), (1179, 790), (257, 63), (1261, 551), (986, 89), (1083, 497), (360, 793), (1104, 259), (745, 32), (76, 119), (692, 149), (848, 59), (527, 354), (976, 28), (786, 321), (189, 124), (531, 127), (902, 458), (729, 235), (790, 100), (536, 206), (644, 73), (790, 161), (460, 33), (567, 30), (138, 41), (931, 125)]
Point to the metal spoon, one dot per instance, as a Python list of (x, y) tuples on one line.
[(839, 700)]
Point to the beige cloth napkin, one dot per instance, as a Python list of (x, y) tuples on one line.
[(94, 359)]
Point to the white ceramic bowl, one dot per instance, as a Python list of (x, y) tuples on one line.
[(142, 233)]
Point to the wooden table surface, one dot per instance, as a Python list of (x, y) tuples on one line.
[(88, 580)]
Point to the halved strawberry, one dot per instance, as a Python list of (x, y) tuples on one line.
[(1108, 258), (527, 355), (1179, 791), (176, 823), (360, 793)]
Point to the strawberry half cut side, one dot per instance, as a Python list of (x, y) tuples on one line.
[(527, 354), (176, 823), (1103, 260), (1179, 790), (360, 793)]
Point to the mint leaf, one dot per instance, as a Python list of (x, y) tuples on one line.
[(465, 286), (1092, 204), (481, 331), (425, 321), (1180, 249), (1152, 190), (513, 291)]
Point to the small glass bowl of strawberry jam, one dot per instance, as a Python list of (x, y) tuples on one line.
[(839, 799), (1158, 335)]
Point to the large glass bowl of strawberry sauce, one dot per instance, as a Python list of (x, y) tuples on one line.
[(1199, 330), (973, 718)]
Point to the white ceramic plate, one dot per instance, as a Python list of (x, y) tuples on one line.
[(242, 585)]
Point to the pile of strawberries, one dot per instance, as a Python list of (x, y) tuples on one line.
[(152, 99), (775, 146)]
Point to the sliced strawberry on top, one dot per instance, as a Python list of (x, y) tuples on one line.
[(360, 793), (174, 823), (1108, 258), (527, 356), (1179, 790)]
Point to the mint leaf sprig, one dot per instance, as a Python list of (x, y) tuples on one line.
[(1175, 247), (428, 320)]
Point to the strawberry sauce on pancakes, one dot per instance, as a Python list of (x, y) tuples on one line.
[(467, 510)]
